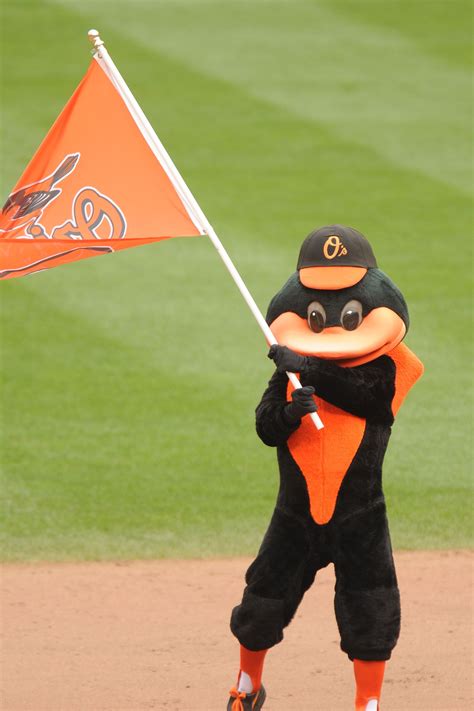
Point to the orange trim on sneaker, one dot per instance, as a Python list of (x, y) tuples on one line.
[(238, 696)]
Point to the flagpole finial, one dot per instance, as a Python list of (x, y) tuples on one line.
[(94, 39)]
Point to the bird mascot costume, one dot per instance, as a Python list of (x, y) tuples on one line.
[(339, 322)]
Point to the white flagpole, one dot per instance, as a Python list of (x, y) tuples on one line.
[(104, 59)]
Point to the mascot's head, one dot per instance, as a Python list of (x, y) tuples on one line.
[(338, 304)]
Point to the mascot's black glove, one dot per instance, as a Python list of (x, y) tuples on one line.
[(287, 360), (302, 404)]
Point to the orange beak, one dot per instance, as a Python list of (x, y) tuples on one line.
[(380, 331)]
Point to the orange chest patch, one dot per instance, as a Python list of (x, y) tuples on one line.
[(325, 456)]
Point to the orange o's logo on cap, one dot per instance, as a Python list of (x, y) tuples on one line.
[(333, 247)]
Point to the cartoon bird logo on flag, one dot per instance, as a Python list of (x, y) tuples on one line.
[(94, 186), (90, 210), (31, 200)]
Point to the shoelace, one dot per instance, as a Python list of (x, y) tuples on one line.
[(238, 696)]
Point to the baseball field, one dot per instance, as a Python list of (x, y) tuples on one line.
[(130, 382)]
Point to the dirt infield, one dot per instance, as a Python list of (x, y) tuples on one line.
[(154, 635)]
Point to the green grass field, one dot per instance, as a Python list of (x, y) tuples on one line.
[(130, 382)]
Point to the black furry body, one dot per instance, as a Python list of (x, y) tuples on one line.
[(356, 539)]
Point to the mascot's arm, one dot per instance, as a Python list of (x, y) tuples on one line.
[(274, 426), (365, 390)]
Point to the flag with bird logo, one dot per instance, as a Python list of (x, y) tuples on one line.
[(95, 185)]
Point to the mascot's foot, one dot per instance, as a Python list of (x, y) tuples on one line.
[(239, 701)]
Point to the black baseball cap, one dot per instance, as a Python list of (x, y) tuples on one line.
[(334, 257)]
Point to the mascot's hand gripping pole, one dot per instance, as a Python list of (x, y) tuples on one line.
[(254, 308), (102, 56)]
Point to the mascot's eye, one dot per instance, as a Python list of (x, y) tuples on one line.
[(351, 315), (316, 317)]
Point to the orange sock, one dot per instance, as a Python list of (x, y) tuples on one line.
[(369, 678), (251, 663)]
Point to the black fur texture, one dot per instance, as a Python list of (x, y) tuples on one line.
[(356, 539), (374, 290)]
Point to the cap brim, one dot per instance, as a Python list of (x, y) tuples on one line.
[(331, 277)]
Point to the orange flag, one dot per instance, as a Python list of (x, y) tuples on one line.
[(101, 181), (96, 184)]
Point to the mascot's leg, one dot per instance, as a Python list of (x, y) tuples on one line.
[(276, 582), (367, 600)]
